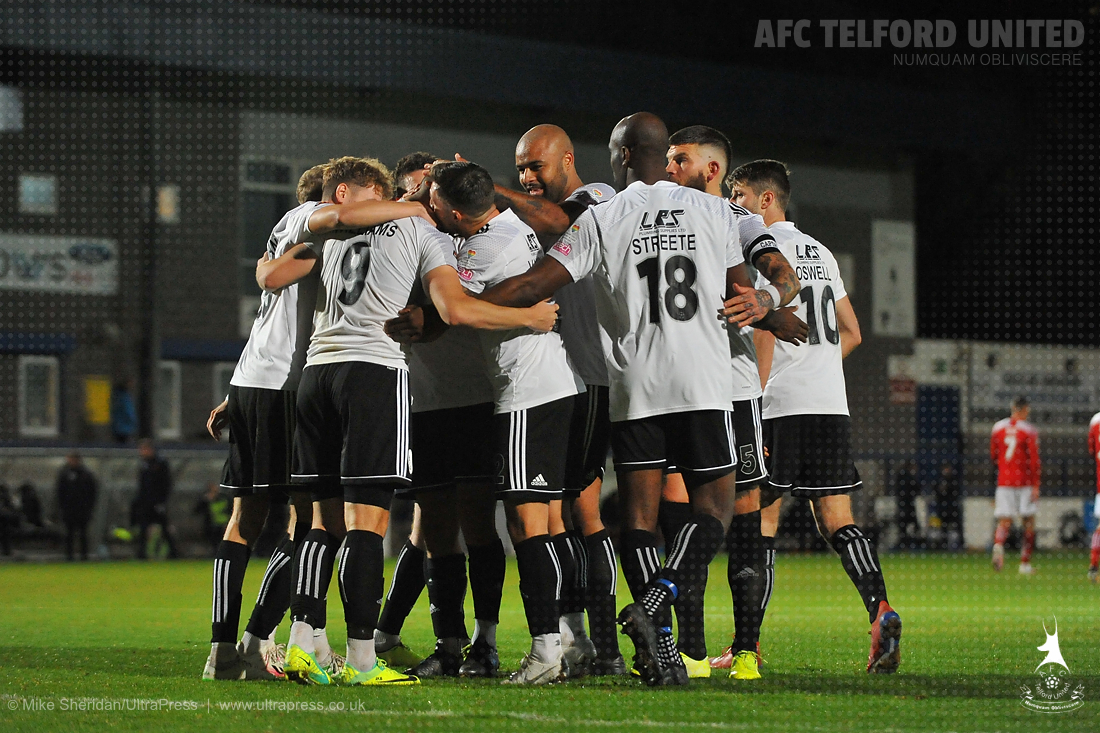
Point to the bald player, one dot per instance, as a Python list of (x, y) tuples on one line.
[(699, 157), (664, 257), (555, 196)]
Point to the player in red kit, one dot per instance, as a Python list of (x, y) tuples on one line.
[(1094, 451), (1014, 447)]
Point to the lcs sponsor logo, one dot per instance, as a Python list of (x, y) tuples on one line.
[(564, 248), (663, 218), (465, 274), (806, 252)]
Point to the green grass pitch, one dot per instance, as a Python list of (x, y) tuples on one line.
[(116, 633)]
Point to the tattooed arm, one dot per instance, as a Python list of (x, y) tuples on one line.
[(545, 217), (776, 270)]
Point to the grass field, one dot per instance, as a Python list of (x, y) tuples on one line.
[(122, 632)]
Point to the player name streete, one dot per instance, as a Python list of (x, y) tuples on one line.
[(667, 241)]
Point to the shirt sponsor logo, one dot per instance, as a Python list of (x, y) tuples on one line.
[(465, 274), (564, 248)]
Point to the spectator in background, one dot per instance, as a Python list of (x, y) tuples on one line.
[(907, 489), (150, 506), (124, 420), (214, 507), (76, 494), (30, 506), (947, 494), (9, 519)]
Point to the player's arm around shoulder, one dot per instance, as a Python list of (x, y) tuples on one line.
[(540, 282), (286, 269), (457, 308), (362, 214), (545, 217)]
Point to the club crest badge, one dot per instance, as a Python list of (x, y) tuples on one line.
[(1054, 693)]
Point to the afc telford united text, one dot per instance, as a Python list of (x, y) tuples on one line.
[(919, 33)]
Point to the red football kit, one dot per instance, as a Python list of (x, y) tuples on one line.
[(1014, 446)]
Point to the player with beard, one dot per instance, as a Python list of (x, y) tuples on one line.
[(534, 389), (555, 197), (662, 255), (699, 157), (352, 444), (454, 490), (807, 428)]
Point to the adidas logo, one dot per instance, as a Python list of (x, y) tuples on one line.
[(538, 481), (746, 573)]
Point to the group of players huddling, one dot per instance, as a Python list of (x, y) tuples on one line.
[(407, 344)]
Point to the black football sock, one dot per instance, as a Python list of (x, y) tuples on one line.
[(405, 589), (671, 518), (573, 589), (311, 574), (695, 546), (230, 564), (769, 575), (860, 561), (446, 592), (538, 584), (487, 565), (603, 578), (563, 550), (639, 559), (691, 637), (362, 563), (747, 576), (273, 600), (693, 549)]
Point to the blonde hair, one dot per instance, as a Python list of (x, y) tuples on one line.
[(363, 172), (311, 184)]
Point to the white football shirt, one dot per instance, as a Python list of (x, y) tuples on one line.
[(366, 278), (658, 256), (526, 369), (275, 352), (577, 324), (809, 379)]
